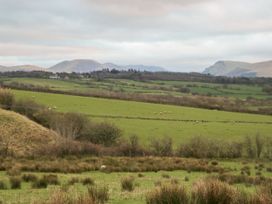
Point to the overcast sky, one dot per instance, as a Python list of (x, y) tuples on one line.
[(181, 35)]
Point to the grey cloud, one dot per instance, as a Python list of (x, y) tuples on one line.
[(180, 34)]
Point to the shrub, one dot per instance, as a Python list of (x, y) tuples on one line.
[(3, 185), (29, 177), (213, 191), (73, 180), (127, 183), (214, 163), (199, 147), (99, 194), (186, 178), (6, 98), (40, 183), (162, 147), (131, 147), (51, 179), (140, 175), (250, 147), (87, 181), (167, 194), (15, 182), (103, 133), (165, 176), (69, 125), (14, 171), (27, 107), (66, 197)]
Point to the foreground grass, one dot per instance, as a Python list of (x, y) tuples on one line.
[(144, 182), (112, 180), (155, 120)]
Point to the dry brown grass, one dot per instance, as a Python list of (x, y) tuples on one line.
[(21, 136)]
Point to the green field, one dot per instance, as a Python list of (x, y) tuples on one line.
[(144, 184), (154, 120), (149, 87), (27, 194)]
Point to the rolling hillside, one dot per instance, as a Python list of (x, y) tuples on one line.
[(21, 136), (238, 69), (155, 120)]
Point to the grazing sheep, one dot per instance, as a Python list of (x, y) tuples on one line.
[(103, 167)]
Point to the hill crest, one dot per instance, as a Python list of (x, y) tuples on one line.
[(240, 69)]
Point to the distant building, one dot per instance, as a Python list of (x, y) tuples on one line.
[(55, 76)]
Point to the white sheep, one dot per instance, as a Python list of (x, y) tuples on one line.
[(103, 167)]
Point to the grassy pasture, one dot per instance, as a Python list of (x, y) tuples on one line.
[(150, 87), (154, 120), (144, 184)]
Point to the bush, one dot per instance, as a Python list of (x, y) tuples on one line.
[(103, 133), (27, 107), (263, 195), (131, 147), (87, 181), (6, 98), (15, 182), (73, 180), (69, 125), (99, 195), (67, 197), (140, 175), (213, 191), (162, 147), (14, 171), (51, 179), (40, 183), (165, 176), (3, 185), (127, 183), (167, 194), (29, 177), (199, 147)]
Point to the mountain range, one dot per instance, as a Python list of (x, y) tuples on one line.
[(220, 68), (240, 69), (80, 66)]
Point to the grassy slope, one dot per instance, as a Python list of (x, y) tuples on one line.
[(23, 135), (154, 120)]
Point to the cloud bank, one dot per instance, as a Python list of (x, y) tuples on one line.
[(182, 35)]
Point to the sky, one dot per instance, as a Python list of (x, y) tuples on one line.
[(180, 35)]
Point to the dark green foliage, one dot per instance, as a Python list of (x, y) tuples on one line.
[(3, 185), (15, 182), (127, 183), (87, 181), (103, 133), (29, 177), (40, 183)]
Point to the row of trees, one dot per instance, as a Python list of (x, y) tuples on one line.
[(144, 76)]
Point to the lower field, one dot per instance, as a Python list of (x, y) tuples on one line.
[(154, 120), (112, 180), (143, 182)]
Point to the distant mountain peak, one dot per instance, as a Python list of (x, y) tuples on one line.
[(85, 65), (240, 69)]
